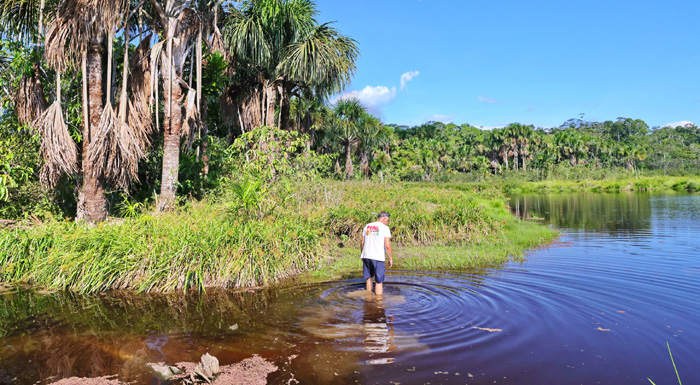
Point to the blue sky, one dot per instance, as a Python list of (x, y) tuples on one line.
[(493, 62)]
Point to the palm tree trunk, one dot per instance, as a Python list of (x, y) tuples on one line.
[(364, 164), (515, 158), (348, 161), (285, 107), (92, 204), (172, 125), (271, 94)]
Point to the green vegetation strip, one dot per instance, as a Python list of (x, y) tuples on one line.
[(612, 185), (248, 234)]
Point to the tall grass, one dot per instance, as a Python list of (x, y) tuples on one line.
[(491, 237), (248, 233), (202, 246)]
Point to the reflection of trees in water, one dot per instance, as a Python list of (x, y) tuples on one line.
[(614, 213), (67, 334), (26, 312)]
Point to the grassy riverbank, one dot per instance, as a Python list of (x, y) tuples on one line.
[(514, 237), (247, 234), (609, 185)]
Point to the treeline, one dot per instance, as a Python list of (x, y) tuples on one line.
[(146, 96), (112, 106), (439, 150)]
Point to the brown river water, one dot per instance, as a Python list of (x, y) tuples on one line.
[(596, 307)]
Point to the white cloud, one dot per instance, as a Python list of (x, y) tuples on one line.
[(407, 77), (486, 100), (682, 123), (440, 118), (489, 128), (374, 98)]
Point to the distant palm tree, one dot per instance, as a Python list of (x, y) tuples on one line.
[(370, 132), (344, 126), (571, 145)]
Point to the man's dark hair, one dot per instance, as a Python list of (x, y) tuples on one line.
[(384, 214)]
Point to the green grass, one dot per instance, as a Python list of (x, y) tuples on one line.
[(249, 233), (674, 366), (511, 243), (648, 183)]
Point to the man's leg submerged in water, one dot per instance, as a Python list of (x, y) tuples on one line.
[(378, 288), (374, 270)]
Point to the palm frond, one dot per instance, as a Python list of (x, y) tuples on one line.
[(246, 38), (191, 122), (30, 100), (140, 87), (324, 60), (19, 19), (115, 150), (76, 23), (58, 150)]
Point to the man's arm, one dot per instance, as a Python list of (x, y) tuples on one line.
[(387, 248), (362, 243)]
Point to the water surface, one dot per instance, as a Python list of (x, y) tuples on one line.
[(598, 306)]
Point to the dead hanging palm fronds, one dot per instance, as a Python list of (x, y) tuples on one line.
[(30, 100), (156, 51), (58, 150), (77, 22), (191, 122), (216, 42), (116, 149), (140, 85)]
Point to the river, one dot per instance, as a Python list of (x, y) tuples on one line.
[(596, 307)]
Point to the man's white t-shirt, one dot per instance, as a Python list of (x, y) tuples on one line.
[(374, 234)]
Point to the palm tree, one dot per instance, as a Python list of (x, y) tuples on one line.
[(76, 35), (344, 126), (381, 161), (182, 24), (323, 61), (369, 130), (23, 20), (480, 165), (571, 145), (307, 114), (523, 136), (502, 143), (291, 53), (258, 35)]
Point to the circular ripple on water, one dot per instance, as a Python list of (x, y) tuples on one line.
[(423, 308)]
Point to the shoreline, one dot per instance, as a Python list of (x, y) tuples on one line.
[(220, 243), (612, 185)]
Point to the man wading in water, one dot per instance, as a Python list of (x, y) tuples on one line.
[(375, 241)]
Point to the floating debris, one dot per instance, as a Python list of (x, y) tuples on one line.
[(488, 329)]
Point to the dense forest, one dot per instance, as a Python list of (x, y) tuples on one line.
[(112, 106)]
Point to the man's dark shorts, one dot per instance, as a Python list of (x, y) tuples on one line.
[(373, 268)]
